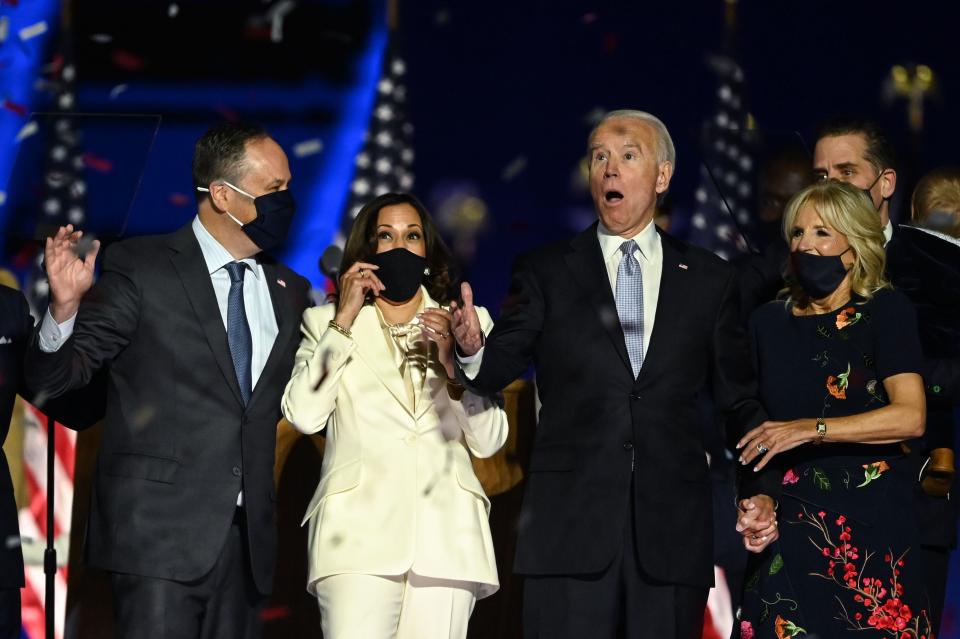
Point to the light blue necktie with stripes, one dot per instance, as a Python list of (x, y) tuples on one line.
[(238, 330), (629, 298)]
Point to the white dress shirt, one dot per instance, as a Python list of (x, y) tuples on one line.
[(650, 257), (256, 301)]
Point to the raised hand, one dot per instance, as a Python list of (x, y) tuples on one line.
[(70, 275), (466, 323), (355, 283)]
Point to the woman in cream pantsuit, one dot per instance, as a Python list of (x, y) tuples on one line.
[(399, 542)]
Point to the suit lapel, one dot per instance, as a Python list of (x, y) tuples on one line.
[(670, 304), (188, 261), (372, 349), (287, 317), (586, 265)]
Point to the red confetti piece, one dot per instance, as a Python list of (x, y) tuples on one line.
[(179, 199), (97, 163), (274, 612), (127, 61), (228, 114), (19, 109)]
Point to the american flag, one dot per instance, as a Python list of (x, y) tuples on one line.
[(384, 163), (62, 202), (727, 169)]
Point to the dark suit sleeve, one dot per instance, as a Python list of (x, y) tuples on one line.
[(736, 390), (107, 319), (509, 347)]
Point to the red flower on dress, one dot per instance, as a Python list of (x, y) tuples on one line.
[(847, 317), (790, 477), (746, 630)]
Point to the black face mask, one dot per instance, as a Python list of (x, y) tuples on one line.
[(869, 189), (401, 273), (819, 275), (274, 216)]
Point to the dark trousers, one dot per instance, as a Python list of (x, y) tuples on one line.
[(936, 562), (10, 613), (223, 603), (621, 602)]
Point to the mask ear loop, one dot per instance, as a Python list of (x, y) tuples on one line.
[(204, 189)]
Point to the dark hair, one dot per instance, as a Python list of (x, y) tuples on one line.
[(879, 151), (361, 245), (221, 151)]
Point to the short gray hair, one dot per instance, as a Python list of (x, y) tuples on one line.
[(665, 149)]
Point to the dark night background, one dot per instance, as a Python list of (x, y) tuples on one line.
[(501, 95)]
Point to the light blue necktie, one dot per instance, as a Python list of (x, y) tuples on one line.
[(238, 330), (630, 304)]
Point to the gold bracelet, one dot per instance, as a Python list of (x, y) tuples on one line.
[(343, 331)]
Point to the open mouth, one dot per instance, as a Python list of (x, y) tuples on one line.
[(613, 196)]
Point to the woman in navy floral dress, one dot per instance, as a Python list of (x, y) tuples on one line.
[(838, 365)]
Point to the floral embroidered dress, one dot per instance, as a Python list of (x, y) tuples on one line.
[(847, 562)]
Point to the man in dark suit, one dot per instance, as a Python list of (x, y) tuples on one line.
[(197, 331), (15, 328), (858, 152), (625, 325)]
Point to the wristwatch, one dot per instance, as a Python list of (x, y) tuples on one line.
[(821, 431)]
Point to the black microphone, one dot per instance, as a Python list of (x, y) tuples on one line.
[(330, 263)]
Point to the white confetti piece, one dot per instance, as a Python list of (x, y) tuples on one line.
[(308, 147), (515, 168), (117, 90), (28, 129), (173, 10), (102, 38), (3, 198), (33, 30), (4, 28)]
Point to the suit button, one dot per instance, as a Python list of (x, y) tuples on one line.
[(236, 471), (628, 445), (634, 396)]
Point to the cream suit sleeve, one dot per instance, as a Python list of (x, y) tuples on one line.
[(311, 393), (483, 422)]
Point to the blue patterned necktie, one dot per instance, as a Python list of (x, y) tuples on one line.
[(630, 304), (238, 330)]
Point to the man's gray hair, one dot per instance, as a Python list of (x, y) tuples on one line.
[(665, 149)]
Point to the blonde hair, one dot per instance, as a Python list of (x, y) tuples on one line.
[(848, 210), (938, 192)]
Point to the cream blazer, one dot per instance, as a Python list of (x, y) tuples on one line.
[(397, 490)]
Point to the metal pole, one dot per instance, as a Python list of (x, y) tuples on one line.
[(50, 554)]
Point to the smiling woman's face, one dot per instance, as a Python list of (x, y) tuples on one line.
[(625, 178)]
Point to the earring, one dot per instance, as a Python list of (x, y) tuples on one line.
[(426, 271)]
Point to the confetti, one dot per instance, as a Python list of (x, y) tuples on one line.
[(179, 199), (127, 61), (99, 164), (514, 168), (19, 109), (173, 10), (308, 147), (28, 129), (117, 90), (276, 14), (101, 38), (589, 18), (3, 198), (33, 30), (4, 28), (10, 3)]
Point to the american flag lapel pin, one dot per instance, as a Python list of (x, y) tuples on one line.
[(284, 284), (683, 266)]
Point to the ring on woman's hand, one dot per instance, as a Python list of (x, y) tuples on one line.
[(761, 448), (755, 536), (361, 273)]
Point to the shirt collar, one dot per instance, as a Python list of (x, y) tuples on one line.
[(214, 254), (646, 240), (423, 304)]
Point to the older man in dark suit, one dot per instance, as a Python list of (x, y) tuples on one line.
[(197, 331), (625, 326)]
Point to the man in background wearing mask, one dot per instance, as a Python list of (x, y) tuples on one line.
[(858, 152), (197, 331)]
